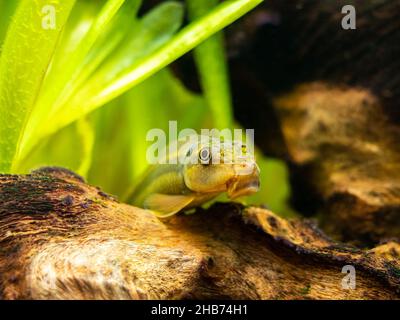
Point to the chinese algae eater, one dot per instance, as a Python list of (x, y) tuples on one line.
[(195, 172)]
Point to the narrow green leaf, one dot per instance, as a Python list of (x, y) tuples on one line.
[(184, 41), (109, 27), (89, 99), (123, 26), (7, 9), (70, 52), (155, 29), (87, 137), (212, 67), (89, 22), (26, 55), (143, 38)]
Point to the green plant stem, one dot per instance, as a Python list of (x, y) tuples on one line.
[(212, 67), (87, 135)]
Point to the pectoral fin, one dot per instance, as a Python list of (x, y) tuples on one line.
[(165, 205)]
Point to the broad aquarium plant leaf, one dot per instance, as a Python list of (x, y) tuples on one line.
[(83, 36), (7, 9), (26, 55)]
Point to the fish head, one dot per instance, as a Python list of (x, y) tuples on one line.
[(215, 166)]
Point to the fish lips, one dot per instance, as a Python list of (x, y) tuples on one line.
[(243, 185)]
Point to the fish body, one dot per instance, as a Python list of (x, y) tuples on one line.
[(204, 167)]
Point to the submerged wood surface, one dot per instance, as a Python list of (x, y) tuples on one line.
[(61, 238), (345, 153), (326, 100)]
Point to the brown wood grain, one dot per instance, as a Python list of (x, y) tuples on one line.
[(63, 239)]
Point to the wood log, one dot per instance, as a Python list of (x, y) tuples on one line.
[(63, 239), (345, 154), (326, 100)]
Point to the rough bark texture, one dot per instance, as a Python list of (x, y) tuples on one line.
[(346, 153), (61, 238)]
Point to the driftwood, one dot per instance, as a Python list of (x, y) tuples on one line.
[(61, 238), (347, 153), (326, 101)]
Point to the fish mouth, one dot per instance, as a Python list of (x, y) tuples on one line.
[(243, 185)]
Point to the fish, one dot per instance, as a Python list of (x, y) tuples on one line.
[(202, 168)]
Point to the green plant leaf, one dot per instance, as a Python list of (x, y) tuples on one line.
[(70, 148), (7, 9), (90, 98), (184, 41), (155, 29), (212, 67), (26, 54), (123, 26), (140, 37), (87, 138), (76, 57), (107, 30)]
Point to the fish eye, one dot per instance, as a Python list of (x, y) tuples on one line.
[(205, 156)]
